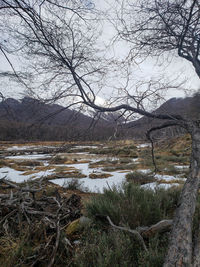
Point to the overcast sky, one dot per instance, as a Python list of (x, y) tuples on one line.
[(175, 69)]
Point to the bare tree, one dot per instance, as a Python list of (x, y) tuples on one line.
[(160, 27), (59, 40)]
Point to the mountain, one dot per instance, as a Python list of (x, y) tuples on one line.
[(32, 117), (188, 108)]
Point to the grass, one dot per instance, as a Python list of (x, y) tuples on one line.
[(131, 166), (125, 151), (140, 178), (3, 163), (29, 163), (114, 248), (127, 206), (99, 175), (74, 184), (58, 159)]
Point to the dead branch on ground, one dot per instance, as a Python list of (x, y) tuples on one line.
[(33, 216)]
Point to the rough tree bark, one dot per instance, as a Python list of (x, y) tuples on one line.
[(181, 247)]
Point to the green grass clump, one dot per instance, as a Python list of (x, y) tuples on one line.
[(74, 184), (171, 158), (126, 151), (133, 206), (111, 248), (128, 206), (131, 166), (116, 248)]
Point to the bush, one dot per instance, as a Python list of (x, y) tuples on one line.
[(103, 249), (134, 206), (129, 205), (116, 248)]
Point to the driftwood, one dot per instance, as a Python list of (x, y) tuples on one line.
[(134, 232), (145, 231), (162, 226), (28, 212)]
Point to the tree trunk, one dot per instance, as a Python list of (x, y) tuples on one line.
[(180, 245)]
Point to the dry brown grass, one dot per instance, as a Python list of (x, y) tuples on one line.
[(99, 175)]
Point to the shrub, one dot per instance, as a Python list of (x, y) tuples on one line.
[(133, 206), (103, 249), (129, 205)]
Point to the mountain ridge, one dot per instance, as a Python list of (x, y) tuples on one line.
[(28, 112)]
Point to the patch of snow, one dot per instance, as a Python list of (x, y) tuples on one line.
[(143, 145), (18, 177), (80, 147), (32, 156), (154, 186), (20, 148), (96, 185), (168, 178), (145, 171), (28, 147), (181, 166)]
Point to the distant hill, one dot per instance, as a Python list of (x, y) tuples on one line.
[(188, 107), (30, 118)]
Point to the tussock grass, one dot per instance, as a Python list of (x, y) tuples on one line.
[(125, 151), (31, 163), (3, 163), (58, 159), (132, 166), (140, 178), (74, 184), (99, 175)]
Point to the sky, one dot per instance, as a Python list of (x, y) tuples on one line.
[(170, 68)]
